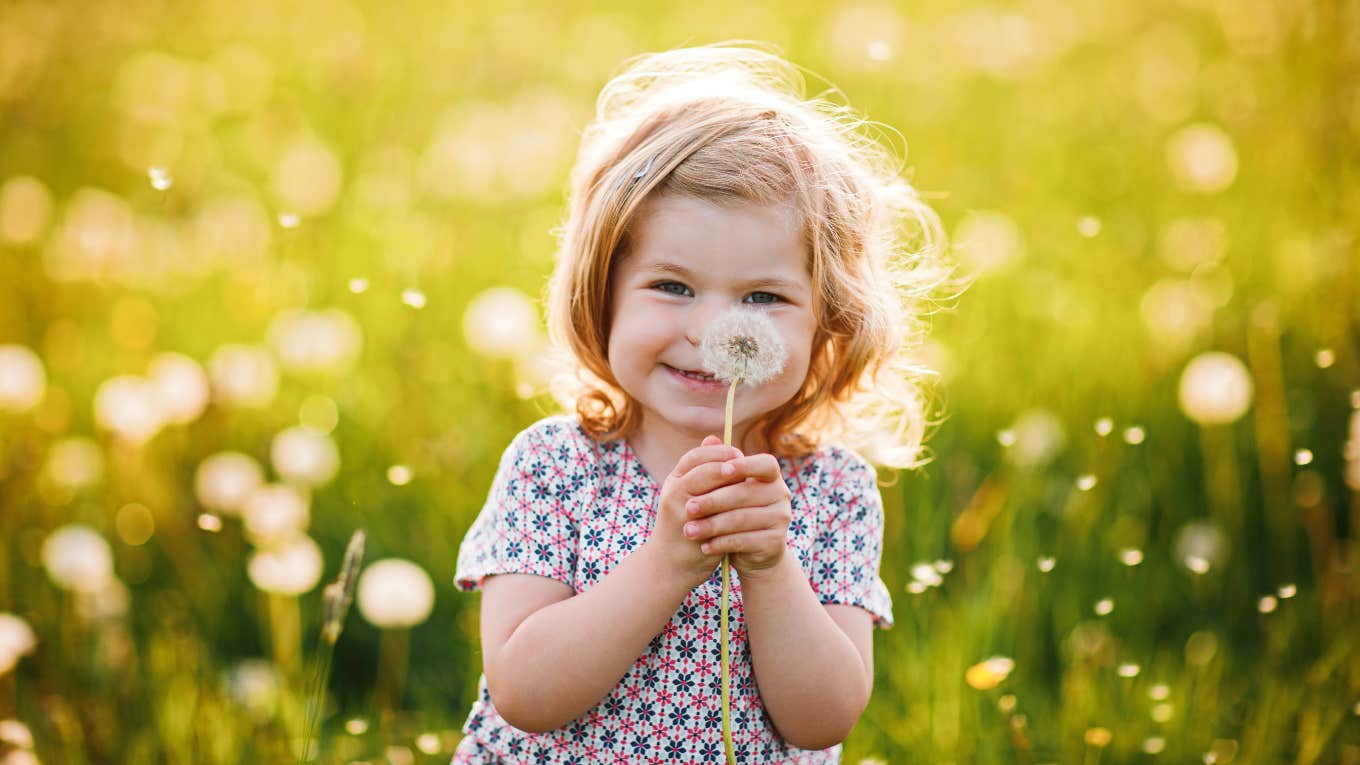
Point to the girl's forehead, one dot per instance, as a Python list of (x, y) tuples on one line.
[(739, 232)]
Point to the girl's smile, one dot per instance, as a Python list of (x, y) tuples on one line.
[(689, 260), (698, 381)]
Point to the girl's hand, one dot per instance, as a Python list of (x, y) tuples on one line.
[(746, 515), (697, 473)]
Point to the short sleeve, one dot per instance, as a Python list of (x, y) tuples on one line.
[(527, 525), (849, 543)]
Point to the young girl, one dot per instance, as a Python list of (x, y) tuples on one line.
[(705, 182)]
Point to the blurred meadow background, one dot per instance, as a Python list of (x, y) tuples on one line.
[(270, 273)]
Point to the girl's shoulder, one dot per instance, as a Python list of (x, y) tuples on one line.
[(832, 462), (559, 437)]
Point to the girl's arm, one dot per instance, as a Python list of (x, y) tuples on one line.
[(813, 663), (550, 657)]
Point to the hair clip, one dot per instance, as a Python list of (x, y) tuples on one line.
[(639, 175)]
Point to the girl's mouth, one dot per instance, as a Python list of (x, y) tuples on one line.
[(696, 380)]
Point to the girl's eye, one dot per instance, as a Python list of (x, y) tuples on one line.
[(762, 298), (674, 288)]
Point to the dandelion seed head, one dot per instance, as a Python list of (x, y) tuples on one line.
[(1086, 482), (1159, 692), (1134, 435), (1104, 426), (743, 345), (1267, 604), (17, 639), (304, 456), (944, 566), (1006, 437), (224, 480), (1046, 564), (255, 685), (22, 379), (1288, 590), (1162, 712), (288, 220), (358, 285), (395, 593), (291, 568), (1303, 457), (915, 587), (1131, 556), (275, 513), (1215, 388), (1128, 670), (15, 733), (1154, 744), (1104, 606), (1324, 358), (182, 386), (77, 558), (1089, 226), (209, 523)]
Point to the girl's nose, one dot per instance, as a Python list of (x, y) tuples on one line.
[(698, 320)]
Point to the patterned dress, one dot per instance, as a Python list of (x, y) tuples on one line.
[(569, 508)]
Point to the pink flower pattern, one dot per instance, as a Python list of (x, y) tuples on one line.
[(569, 508)]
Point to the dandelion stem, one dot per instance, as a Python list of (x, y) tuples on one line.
[(724, 629)]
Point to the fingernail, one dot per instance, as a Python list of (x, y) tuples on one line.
[(692, 506), (691, 529), (706, 549)]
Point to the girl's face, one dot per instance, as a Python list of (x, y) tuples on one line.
[(688, 260)]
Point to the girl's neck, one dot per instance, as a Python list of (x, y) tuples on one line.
[(659, 447)]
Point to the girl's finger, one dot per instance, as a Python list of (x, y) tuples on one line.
[(732, 522), (743, 542), (732, 496), (763, 467), (707, 453), (707, 476)]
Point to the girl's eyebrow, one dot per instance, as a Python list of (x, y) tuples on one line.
[(675, 269)]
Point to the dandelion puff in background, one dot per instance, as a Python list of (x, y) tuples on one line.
[(739, 345), (394, 595), (16, 640)]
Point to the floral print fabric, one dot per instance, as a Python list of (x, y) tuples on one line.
[(569, 508)]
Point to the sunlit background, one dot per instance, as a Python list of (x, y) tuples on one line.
[(270, 273)]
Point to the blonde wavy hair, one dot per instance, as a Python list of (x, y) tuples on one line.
[(729, 123)]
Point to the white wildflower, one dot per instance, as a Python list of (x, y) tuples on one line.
[(16, 640), (395, 593), (743, 345), (77, 558)]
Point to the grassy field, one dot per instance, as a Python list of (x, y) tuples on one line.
[(312, 236)]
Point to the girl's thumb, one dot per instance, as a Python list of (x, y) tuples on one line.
[(711, 441)]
